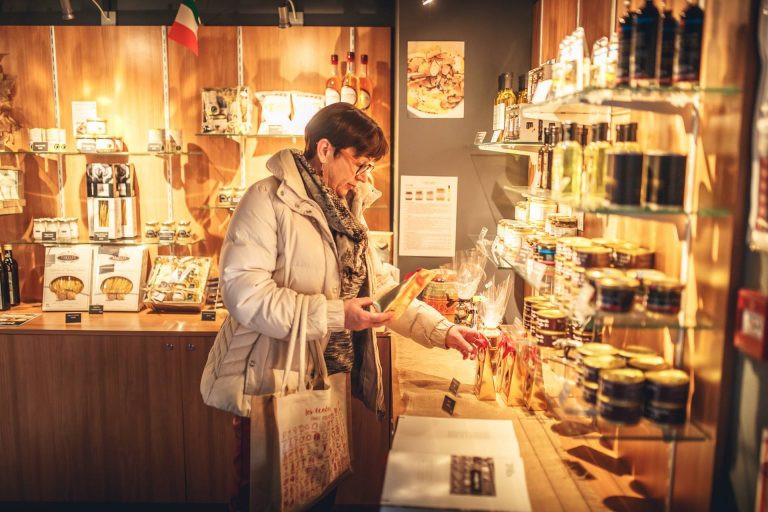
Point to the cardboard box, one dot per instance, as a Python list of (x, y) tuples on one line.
[(67, 278), (128, 217), (119, 276), (107, 218)]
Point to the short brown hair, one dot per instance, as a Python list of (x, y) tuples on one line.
[(345, 127)]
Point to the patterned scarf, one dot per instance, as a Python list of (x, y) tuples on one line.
[(351, 239)]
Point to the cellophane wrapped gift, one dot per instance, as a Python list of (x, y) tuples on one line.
[(177, 284)]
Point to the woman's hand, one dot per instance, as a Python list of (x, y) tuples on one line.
[(465, 340), (357, 318)]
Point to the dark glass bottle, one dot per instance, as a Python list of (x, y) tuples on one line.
[(545, 161), (645, 42), (5, 296), (689, 44), (12, 272), (667, 51), (626, 27)]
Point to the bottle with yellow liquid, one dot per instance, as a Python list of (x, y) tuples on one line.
[(567, 164), (596, 164)]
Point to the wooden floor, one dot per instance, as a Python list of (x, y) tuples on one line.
[(563, 472)]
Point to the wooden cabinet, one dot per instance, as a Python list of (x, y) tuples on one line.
[(110, 419)]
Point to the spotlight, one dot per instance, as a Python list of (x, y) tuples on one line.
[(66, 10), (426, 2), (286, 20)]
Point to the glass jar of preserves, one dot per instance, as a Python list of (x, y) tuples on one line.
[(184, 230), (151, 229)]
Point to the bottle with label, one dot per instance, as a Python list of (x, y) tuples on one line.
[(667, 51), (505, 97), (689, 44), (522, 99), (626, 138), (12, 270), (5, 295), (645, 43), (333, 84), (626, 29), (544, 162), (567, 164), (350, 84), (596, 164), (364, 98)]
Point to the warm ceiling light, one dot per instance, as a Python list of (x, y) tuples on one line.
[(66, 10), (426, 2)]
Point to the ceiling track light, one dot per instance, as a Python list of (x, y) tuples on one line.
[(284, 20), (66, 10), (68, 14)]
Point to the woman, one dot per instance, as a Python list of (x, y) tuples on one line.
[(301, 231)]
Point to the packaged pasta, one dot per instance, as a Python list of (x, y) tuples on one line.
[(67, 278), (119, 276)]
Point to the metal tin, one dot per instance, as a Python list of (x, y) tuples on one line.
[(545, 250), (593, 365), (622, 384), (644, 276), (664, 296), (633, 351), (665, 179), (588, 336), (648, 363), (591, 257), (593, 275), (589, 392), (566, 246), (521, 210), (624, 185), (538, 208), (442, 294), (669, 386), (633, 257), (548, 338), (616, 295), (551, 320), (665, 414), (597, 349), (619, 412)]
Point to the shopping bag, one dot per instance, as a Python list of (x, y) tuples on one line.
[(300, 441)]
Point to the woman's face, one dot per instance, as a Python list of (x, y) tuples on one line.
[(342, 171)]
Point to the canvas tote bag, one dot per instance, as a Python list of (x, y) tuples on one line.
[(299, 441)]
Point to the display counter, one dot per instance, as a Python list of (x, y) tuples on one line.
[(562, 473)]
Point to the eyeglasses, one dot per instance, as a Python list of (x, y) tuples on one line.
[(363, 169)]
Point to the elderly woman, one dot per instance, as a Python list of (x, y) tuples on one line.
[(302, 231)]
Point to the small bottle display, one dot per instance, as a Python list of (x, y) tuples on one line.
[(333, 84), (626, 29), (645, 39), (12, 272), (626, 138), (567, 163), (350, 84), (366, 89), (667, 51), (596, 163), (689, 44), (505, 98)]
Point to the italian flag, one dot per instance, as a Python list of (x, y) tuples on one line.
[(184, 28)]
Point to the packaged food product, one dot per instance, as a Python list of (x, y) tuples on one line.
[(670, 386), (177, 284), (67, 278), (119, 275), (622, 384)]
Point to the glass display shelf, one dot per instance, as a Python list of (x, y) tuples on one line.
[(99, 153), (126, 242), (218, 207), (541, 281), (251, 135), (518, 147), (595, 104), (587, 206), (580, 420)]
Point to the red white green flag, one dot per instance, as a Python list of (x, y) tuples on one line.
[(184, 28)]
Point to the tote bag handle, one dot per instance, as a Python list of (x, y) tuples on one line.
[(295, 327)]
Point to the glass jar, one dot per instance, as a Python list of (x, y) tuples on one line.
[(167, 230), (74, 228), (62, 230), (225, 196), (565, 226), (151, 229), (38, 226), (521, 210), (184, 230), (238, 194), (538, 208)]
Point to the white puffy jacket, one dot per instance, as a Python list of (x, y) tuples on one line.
[(279, 245)]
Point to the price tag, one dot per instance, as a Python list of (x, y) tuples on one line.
[(479, 138), (495, 136), (73, 318), (96, 309), (39, 146), (166, 236), (454, 387), (449, 404), (101, 237), (155, 146), (49, 236), (208, 316)]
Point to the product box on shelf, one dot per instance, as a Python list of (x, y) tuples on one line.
[(108, 218), (67, 278), (128, 217), (119, 276), (227, 110), (103, 202), (177, 284), (11, 184)]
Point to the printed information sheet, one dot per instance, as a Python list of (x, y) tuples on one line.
[(428, 215)]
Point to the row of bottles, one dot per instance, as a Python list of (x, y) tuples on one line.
[(349, 88), (506, 109), (9, 280)]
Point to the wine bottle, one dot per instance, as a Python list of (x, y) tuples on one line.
[(690, 34), (645, 44), (364, 98), (333, 84), (350, 85), (12, 273)]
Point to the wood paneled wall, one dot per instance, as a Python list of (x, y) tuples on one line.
[(719, 182), (121, 69)]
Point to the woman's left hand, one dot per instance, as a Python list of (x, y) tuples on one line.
[(465, 340)]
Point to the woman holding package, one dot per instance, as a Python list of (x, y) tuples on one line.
[(301, 232)]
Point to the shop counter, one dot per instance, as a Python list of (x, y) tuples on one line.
[(562, 473)]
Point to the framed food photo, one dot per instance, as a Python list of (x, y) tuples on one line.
[(435, 79)]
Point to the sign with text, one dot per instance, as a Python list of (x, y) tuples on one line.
[(428, 216)]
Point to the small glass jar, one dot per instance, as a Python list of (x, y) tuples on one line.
[(151, 230), (225, 196), (521, 210), (565, 226), (51, 225), (663, 296), (545, 250), (616, 295), (538, 208), (238, 194), (74, 228), (62, 230), (38, 226), (184, 230), (167, 230)]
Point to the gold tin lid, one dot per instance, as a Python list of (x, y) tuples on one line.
[(538, 306), (167, 223), (185, 223), (632, 351), (152, 223), (665, 285), (646, 274), (648, 363), (592, 249), (633, 250), (613, 283), (671, 378), (536, 298), (623, 376), (552, 314), (595, 274), (95, 120), (552, 333), (591, 385), (574, 241), (604, 362), (595, 349)]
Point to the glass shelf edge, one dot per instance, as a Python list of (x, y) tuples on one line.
[(53, 243)]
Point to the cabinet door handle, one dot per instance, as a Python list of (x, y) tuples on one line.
[(191, 347), (168, 347)]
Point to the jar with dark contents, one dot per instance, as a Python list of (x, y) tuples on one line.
[(545, 250), (593, 365), (552, 320), (648, 363), (624, 183), (592, 257), (633, 351), (565, 226), (616, 295), (619, 412), (633, 257), (665, 180), (644, 276), (589, 392), (670, 386), (663, 296), (622, 384)]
